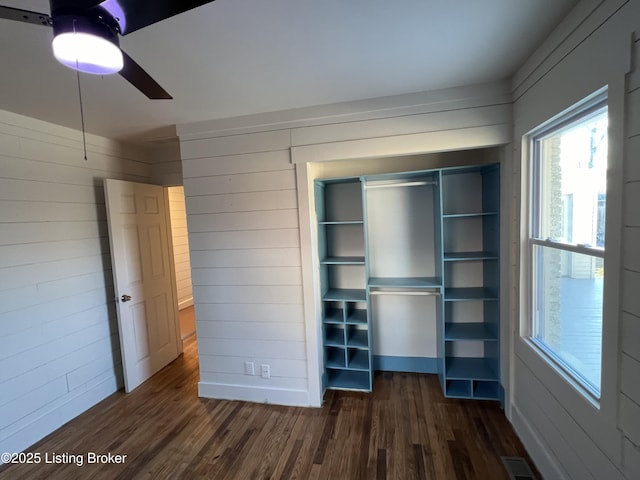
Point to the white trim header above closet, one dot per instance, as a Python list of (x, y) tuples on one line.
[(411, 144)]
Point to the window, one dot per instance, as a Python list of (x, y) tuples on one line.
[(567, 240)]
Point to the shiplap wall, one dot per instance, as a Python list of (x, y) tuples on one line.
[(629, 418), (166, 165), (567, 436), (245, 198), (180, 240), (245, 256), (59, 349)]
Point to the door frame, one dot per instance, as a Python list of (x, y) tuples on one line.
[(172, 270)]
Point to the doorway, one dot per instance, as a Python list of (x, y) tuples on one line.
[(181, 260)]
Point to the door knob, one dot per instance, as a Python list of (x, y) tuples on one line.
[(125, 298)]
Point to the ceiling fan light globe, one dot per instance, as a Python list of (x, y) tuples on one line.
[(88, 53)]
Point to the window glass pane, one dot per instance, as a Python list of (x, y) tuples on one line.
[(568, 309), (572, 175)]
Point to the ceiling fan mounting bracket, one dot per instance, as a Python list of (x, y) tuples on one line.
[(103, 25)]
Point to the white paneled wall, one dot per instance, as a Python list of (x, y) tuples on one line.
[(167, 168), (567, 436), (629, 418), (245, 257), (180, 239), (59, 350)]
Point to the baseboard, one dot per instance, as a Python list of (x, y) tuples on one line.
[(185, 303), (544, 460), (187, 338), (53, 419), (405, 364), (277, 396)]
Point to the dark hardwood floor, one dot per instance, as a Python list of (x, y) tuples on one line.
[(404, 430)]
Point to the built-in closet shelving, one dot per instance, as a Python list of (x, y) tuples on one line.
[(471, 333), (418, 252), (341, 247)]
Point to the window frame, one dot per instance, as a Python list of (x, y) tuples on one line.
[(590, 107)]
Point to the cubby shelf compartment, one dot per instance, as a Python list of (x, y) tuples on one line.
[(335, 357), (357, 337), (487, 390), (356, 317), (467, 368), (348, 379), (334, 335), (469, 331), (458, 388), (358, 359), (333, 316)]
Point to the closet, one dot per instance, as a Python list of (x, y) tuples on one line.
[(409, 275)]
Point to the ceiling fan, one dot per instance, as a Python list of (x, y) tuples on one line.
[(86, 34)]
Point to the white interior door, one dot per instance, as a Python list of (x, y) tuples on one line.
[(140, 257)]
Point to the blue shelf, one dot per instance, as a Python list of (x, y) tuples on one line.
[(405, 282), (468, 256), (469, 215), (345, 294), (469, 331), (465, 294), (466, 368)]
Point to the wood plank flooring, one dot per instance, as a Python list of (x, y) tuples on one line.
[(404, 430)]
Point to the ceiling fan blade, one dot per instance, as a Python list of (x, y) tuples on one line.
[(140, 79), (26, 16), (141, 13)]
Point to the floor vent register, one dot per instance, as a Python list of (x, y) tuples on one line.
[(517, 468)]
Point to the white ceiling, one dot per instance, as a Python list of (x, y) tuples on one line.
[(238, 57)]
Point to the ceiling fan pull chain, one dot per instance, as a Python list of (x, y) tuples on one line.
[(84, 138)]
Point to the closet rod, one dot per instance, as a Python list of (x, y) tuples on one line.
[(400, 184), (405, 292)]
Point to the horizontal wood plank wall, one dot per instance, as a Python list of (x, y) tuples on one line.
[(180, 238), (629, 418), (566, 436), (166, 163), (59, 349), (245, 257)]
